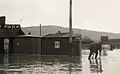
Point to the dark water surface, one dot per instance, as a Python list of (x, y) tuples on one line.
[(36, 64)]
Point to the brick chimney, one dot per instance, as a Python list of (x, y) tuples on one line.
[(2, 20)]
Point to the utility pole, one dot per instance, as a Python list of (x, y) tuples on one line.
[(70, 33), (70, 28), (70, 22), (40, 42), (40, 30)]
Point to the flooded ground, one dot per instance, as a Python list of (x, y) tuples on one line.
[(31, 64)]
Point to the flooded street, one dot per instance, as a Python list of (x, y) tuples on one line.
[(31, 64)]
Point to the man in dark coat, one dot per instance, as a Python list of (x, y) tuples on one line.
[(95, 48)]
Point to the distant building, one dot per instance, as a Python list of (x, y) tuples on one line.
[(115, 43), (58, 44)]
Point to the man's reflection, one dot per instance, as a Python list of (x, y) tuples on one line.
[(95, 65)]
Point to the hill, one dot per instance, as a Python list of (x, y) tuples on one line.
[(94, 35)]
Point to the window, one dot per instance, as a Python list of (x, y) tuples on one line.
[(57, 44)]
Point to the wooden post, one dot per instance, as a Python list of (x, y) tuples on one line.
[(70, 28), (70, 33)]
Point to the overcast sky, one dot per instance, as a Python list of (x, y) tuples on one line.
[(100, 15)]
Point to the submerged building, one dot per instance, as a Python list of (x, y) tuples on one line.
[(115, 43), (58, 44), (14, 41)]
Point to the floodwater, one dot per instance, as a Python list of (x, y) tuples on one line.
[(32, 64)]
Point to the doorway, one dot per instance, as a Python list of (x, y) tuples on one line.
[(2, 46)]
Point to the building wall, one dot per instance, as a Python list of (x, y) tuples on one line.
[(26, 46), (48, 46), (45, 46), (116, 45)]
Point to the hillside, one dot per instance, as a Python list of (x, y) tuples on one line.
[(94, 35)]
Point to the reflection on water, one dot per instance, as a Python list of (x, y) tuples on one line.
[(36, 64), (96, 65), (31, 64)]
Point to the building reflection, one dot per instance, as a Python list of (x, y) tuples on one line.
[(96, 65), (18, 64), (1, 63)]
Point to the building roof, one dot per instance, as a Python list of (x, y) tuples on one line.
[(61, 35), (11, 30), (28, 36), (21, 36)]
